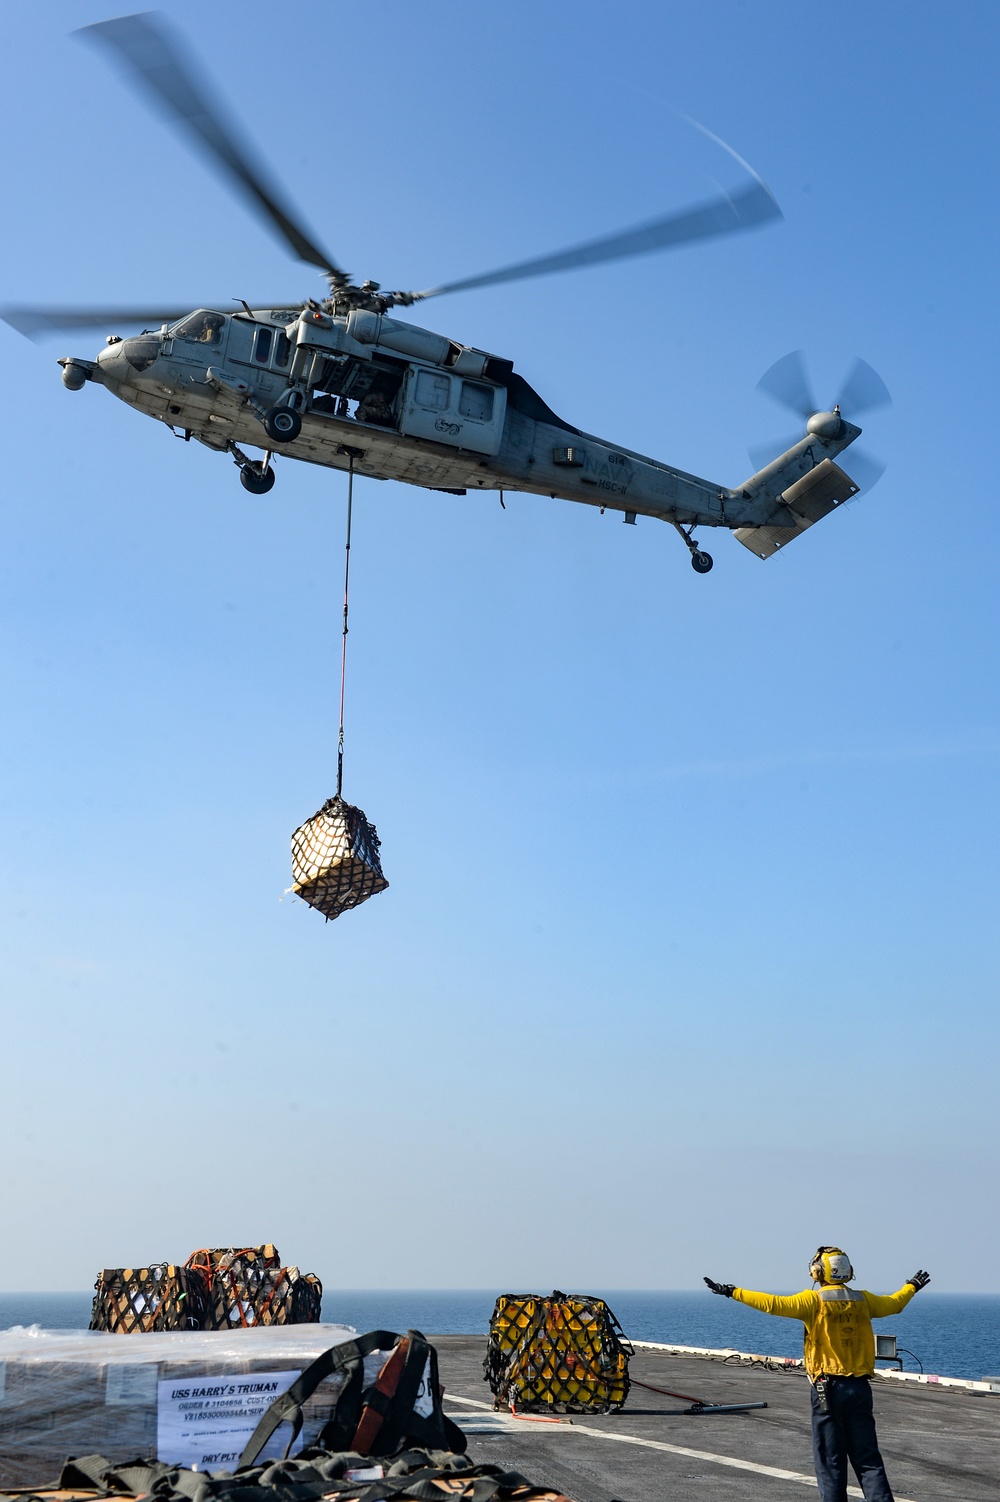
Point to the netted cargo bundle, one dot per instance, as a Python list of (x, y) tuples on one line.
[(561, 1354), (335, 859), (248, 1286), (134, 1300)]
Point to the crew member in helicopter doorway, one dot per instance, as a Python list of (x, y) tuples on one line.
[(840, 1362)]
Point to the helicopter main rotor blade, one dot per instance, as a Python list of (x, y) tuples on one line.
[(787, 384), (155, 62), (864, 390), (724, 215), (34, 321)]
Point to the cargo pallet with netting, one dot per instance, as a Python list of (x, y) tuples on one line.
[(335, 859), (248, 1286), (561, 1354), (218, 1288), (140, 1300)]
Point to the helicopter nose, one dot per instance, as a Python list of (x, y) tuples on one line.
[(112, 361)]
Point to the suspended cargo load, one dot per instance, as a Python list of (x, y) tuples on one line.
[(248, 1286), (335, 859), (561, 1354)]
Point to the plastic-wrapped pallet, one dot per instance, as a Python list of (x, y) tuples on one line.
[(248, 1286), (186, 1397), (335, 859)]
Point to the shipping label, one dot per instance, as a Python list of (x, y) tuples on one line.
[(206, 1421)]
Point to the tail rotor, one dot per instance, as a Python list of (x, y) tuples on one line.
[(863, 390)]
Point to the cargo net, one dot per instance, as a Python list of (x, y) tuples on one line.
[(562, 1354), (138, 1300), (335, 859), (248, 1286)]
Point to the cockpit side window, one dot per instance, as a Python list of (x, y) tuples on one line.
[(203, 327), (262, 345)]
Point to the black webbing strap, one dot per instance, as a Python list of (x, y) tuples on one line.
[(397, 1410), (422, 1484), (96, 1473), (278, 1481), (288, 1407), (436, 1429)]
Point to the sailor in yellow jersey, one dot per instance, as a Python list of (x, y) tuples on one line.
[(840, 1360)]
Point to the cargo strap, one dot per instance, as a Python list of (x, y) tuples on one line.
[(379, 1399), (94, 1473), (369, 1421), (414, 1473)]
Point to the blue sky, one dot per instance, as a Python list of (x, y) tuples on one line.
[(688, 959)]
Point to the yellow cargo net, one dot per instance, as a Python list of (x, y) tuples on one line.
[(562, 1354)]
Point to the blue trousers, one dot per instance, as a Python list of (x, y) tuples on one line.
[(847, 1433)]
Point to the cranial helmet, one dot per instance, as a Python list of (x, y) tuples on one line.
[(831, 1265)]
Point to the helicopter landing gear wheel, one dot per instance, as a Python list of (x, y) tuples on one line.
[(700, 562), (283, 424), (256, 479)]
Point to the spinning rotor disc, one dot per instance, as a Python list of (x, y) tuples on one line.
[(862, 390), (155, 63)]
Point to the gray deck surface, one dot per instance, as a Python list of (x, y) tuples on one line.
[(937, 1442)]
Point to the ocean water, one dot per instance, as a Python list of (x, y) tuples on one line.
[(951, 1334)]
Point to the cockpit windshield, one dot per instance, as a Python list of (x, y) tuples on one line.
[(203, 327)]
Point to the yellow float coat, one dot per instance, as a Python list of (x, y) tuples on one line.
[(839, 1340)]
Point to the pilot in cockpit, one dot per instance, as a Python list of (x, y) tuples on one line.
[(211, 328), (204, 328)]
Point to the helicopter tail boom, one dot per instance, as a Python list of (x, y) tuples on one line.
[(804, 503), (797, 489)]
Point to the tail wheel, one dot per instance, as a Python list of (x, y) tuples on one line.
[(701, 562), (283, 424)]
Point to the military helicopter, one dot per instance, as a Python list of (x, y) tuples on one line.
[(336, 381)]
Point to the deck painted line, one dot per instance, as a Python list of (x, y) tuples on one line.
[(497, 1423), (657, 1444)]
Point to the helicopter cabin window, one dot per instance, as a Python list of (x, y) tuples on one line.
[(433, 390), (476, 402), (203, 327), (282, 349), (262, 346), (447, 409)]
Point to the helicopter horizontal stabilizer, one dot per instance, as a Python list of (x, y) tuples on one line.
[(818, 493)]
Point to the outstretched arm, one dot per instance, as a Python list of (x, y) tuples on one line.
[(791, 1306), (881, 1304)]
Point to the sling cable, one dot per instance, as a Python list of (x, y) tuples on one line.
[(335, 854)]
